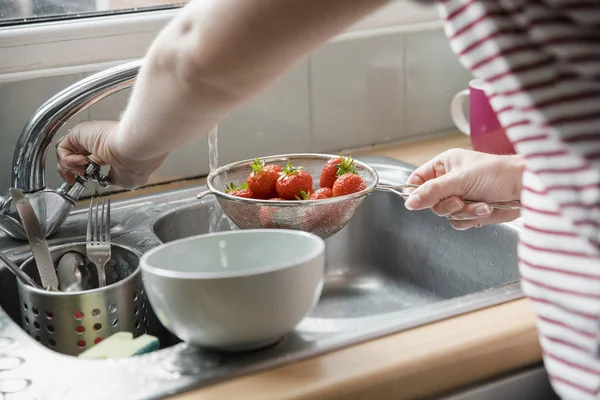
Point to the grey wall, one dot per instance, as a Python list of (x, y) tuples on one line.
[(349, 93)]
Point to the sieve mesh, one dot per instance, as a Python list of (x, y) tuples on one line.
[(324, 218)]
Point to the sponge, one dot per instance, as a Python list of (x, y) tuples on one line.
[(120, 345)]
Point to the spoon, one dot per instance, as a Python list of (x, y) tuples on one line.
[(19, 273), (69, 271)]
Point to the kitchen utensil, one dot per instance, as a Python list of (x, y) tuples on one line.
[(98, 237), (71, 272), (37, 240), (235, 290), (71, 322), (321, 217), (22, 276), (483, 127)]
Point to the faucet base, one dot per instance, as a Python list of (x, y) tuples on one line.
[(52, 209)]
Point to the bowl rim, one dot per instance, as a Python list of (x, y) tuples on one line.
[(318, 250)]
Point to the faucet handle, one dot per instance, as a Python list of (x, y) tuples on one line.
[(92, 172)]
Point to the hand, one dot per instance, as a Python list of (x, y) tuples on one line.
[(98, 139), (471, 175)]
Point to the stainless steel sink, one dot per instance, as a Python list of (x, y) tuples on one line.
[(389, 259), (388, 270)]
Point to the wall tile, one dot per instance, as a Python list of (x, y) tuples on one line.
[(433, 77), (18, 101), (357, 92), (274, 122)]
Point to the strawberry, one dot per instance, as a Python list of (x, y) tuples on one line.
[(270, 217), (323, 193), (262, 179), (292, 182), (334, 168), (242, 191), (348, 184), (321, 218)]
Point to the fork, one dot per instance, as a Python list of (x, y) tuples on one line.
[(98, 237)]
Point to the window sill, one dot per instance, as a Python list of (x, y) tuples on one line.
[(85, 45)]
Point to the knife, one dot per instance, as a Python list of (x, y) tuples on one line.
[(37, 240)]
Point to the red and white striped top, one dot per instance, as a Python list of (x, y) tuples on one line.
[(541, 59)]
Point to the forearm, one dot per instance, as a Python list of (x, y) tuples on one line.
[(215, 55), (515, 166)]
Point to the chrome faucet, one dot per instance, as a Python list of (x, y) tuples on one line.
[(53, 206)]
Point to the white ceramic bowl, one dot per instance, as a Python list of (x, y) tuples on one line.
[(236, 290)]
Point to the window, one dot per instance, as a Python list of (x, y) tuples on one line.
[(13, 12)]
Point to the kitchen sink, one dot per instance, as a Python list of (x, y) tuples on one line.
[(388, 270), (389, 259)]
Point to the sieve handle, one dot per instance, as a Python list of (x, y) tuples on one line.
[(509, 205), (204, 194)]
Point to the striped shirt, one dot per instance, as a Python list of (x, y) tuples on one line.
[(541, 59)]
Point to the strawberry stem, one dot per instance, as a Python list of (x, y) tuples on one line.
[(289, 169), (303, 196), (232, 187), (347, 166), (257, 166)]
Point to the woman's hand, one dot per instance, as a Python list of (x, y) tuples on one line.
[(98, 139), (462, 174)]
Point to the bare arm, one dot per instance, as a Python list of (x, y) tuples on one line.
[(217, 54)]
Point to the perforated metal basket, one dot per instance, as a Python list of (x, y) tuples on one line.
[(321, 217), (71, 322)]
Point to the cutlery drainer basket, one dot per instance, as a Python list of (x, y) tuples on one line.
[(71, 322)]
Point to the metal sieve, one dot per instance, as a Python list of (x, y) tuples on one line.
[(324, 218)]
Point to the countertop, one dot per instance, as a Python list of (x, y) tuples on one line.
[(417, 363)]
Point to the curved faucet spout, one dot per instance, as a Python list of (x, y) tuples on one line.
[(29, 159), (28, 173)]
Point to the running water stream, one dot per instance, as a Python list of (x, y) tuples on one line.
[(218, 221), (213, 152)]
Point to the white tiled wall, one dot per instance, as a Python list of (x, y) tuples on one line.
[(357, 89), (352, 92), (433, 76)]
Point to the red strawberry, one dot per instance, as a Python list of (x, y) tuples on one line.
[(323, 193), (292, 182), (321, 218), (348, 184), (336, 167), (242, 191), (271, 217), (263, 178)]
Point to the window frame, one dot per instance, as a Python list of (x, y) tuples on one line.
[(87, 44)]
